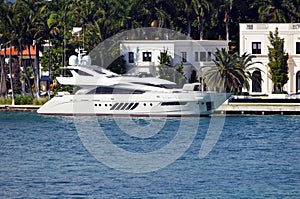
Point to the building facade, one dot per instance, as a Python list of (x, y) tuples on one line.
[(142, 55), (254, 40)]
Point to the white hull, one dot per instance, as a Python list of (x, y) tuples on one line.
[(146, 104)]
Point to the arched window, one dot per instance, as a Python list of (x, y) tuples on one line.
[(298, 82), (256, 82)]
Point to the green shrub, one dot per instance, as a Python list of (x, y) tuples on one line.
[(241, 93), (23, 99), (41, 101), (280, 92), (5, 101)]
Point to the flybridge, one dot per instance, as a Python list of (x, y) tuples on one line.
[(81, 59)]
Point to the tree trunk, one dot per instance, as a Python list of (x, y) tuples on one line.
[(227, 17), (201, 27), (49, 66), (11, 78), (188, 21), (37, 71), (2, 78), (5, 74), (189, 28), (26, 73), (227, 31)]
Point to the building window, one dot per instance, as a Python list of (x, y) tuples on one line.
[(131, 57), (256, 47), (298, 82), (147, 56), (297, 47), (183, 57), (202, 56), (256, 81), (249, 27), (196, 56), (208, 56)]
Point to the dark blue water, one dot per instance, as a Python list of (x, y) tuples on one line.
[(254, 157)]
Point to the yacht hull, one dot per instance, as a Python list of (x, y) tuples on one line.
[(189, 104)]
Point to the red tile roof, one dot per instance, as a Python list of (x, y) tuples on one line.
[(15, 52)]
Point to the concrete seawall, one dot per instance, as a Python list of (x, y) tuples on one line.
[(259, 108)]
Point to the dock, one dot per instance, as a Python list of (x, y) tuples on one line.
[(260, 106), (19, 108)]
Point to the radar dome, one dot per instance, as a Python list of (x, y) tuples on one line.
[(73, 60)]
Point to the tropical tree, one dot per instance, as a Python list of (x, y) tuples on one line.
[(189, 6), (21, 40), (227, 73), (28, 11), (2, 30), (277, 11), (247, 65), (168, 71), (202, 8), (277, 62), (227, 7), (95, 20), (158, 13), (11, 75), (9, 36), (165, 70)]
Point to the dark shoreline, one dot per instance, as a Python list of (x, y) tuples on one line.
[(19, 108)]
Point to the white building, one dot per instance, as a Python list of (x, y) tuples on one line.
[(142, 55), (254, 40)]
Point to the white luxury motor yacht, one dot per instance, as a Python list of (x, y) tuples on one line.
[(101, 92)]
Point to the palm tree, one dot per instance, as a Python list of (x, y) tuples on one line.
[(22, 36), (231, 72), (161, 12), (227, 74), (188, 4), (246, 63), (2, 30), (94, 19), (27, 12), (278, 11), (9, 36), (203, 7), (11, 75), (227, 7)]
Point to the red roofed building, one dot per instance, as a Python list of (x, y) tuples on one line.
[(28, 58), (15, 52), (27, 55)]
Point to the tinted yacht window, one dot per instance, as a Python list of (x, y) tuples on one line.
[(80, 72), (111, 90)]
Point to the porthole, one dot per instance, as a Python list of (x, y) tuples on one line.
[(95, 104), (144, 104), (151, 104)]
